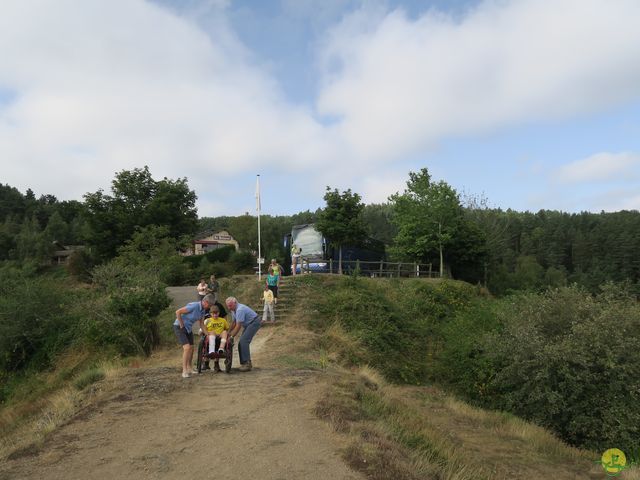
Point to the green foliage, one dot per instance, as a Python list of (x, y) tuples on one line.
[(397, 321), (341, 220), (38, 320), (563, 358), (127, 321), (138, 201), (80, 264), (378, 220), (432, 227), (242, 261), (569, 362)]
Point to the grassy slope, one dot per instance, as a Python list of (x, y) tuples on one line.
[(389, 430), (411, 432)]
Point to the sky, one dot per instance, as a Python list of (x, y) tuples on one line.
[(529, 104)]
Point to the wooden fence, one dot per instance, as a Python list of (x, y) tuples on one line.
[(377, 269)]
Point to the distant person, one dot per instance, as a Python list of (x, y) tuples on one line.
[(202, 289), (213, 287), (185, 318), (275, 267), (249, 321), (273, 282), (217, 329), (267, 310), (295, 257)]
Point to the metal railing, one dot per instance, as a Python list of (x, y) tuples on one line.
[(372, 269)]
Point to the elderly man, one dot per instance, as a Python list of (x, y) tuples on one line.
[(183, 327), (249, 321)]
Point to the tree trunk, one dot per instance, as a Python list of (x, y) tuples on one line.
[(340, 261)]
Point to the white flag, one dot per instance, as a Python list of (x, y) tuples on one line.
[(258, 193)]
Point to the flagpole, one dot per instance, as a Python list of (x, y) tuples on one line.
[(259, 246)]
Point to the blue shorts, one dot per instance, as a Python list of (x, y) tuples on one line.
[(184, 337)]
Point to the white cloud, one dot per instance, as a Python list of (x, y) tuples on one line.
[(377, 188), (398, 84), (600, 167), (96, 87), (104, 86)]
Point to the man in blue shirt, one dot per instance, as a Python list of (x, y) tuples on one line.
[(249, 320), (183, 327)]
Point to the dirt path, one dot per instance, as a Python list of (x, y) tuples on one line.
[(155, 424)]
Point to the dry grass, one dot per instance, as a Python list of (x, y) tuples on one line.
[(386, 438), (55, 397), (410, 433)]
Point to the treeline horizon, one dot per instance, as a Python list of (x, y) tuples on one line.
[(503, 250)]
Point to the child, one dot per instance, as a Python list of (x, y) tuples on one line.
[(272, 284), (267, 297), (216, 328)]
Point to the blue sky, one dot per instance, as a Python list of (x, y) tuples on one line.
[(529, 103)]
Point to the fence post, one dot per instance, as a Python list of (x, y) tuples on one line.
[(331, 265), (381, 267), (399, 266), (415, 269), (357, 267), (429, 270)]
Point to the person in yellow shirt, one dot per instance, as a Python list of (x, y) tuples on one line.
[(267, 298), (216, 327)]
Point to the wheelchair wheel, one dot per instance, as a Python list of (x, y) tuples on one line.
[(228, 359), (202, 348)]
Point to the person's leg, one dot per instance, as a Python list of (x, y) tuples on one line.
[(265, 310), (272, 313), (245, 339), (216, 363), (223, 342), (183, 338), (212, 343)]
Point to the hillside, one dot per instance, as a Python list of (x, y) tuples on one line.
[(299, 414)]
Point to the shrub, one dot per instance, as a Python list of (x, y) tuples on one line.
[(135, 297), (568, 361), (38, 318), (397, 321)]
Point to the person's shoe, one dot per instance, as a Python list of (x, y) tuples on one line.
[(194, 372), (185, 375), (246, 367), (206, 366), (216, 367)]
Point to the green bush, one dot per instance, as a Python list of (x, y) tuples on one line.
[(568, 361), (398, 321), (462, 363), (37, 318), (128, 322), (242, 261)]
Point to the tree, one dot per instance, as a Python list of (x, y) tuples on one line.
[(341, 220), (428, 216), (377, 217), (138, 201)]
